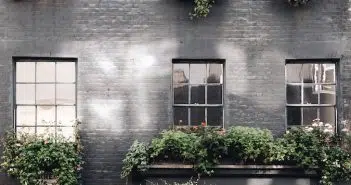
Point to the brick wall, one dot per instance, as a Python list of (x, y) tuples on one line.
[(125, 48)]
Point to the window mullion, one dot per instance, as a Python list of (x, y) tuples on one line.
[(35, 98), (189, 96)]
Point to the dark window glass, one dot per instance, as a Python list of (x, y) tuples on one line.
[(294, 115), (197, 115), (198, 94), (309, 114), (293, 94), (310, 94), (214, 116), (327, 115), (214, 94), (180, 116), (181, 94)]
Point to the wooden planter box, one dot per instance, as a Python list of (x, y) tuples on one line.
[(228, 175)]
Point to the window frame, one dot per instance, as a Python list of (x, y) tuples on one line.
[(55, 60), (205, 105), (336, 62)]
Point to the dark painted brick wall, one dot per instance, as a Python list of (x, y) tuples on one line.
[(125, 48)]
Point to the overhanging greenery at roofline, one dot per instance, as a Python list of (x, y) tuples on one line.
[(311, 148)]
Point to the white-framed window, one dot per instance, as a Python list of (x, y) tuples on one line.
[(45, 100), (311, 88), (198, 92)]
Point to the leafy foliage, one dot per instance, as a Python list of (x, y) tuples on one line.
[(249, 145), (136, 159), (201, 8), (30, 158), (313, 148)]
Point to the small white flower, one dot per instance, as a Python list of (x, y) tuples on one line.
[(288, 132), (309, 129), (329, 126), (327, 130), (344, 130), (320, 124), (315, 124)]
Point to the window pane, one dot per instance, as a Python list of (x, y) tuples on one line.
[(198, 94), (310, 73), (197, 115), (293, 72), (181, 94), (25, 93), (66, 132), (45, 72), (328, 94), (293, 94), (25, 115), (215, 116), (310, 93), (214, 94), (66, 115), (66, 94), (46, 132), (180, 116), (328, 73), (215, 73), (197, 73), (309, 114), (24, 131), (65, 72), (45, 93), (46, 115), (293, 116), (25, 72), (327, 115), (180, 73)]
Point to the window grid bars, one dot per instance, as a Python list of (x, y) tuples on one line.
[(319, 84), (206, 84), (35, 83)]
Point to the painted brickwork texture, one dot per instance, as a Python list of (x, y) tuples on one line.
[(125, 48)]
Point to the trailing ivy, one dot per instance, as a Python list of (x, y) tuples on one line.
[(30, 159), (201, 8), (312, 148)]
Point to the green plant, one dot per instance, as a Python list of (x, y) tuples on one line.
[(297, 3), (29, 158), (201, 8), (313, 148), (210, 148), (136, 159), (249, 145), (173, 146)]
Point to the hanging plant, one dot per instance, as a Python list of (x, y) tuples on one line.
[(297, 3), (201, 8)]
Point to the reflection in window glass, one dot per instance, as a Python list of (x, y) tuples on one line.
[(181, 73), (197, 73), (318, 92), (45, 94), (39, 92), (198, 93)]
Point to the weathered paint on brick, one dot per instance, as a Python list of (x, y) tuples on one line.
[(125, 48)]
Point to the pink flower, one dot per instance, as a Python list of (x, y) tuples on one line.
[(203, 124)]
